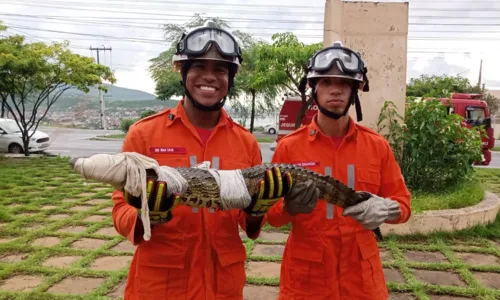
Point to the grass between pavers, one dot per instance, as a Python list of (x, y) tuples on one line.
[(25, 189), (495, 149)]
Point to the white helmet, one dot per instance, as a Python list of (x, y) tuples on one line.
[(337, 61), (207, 42), (341, 62)]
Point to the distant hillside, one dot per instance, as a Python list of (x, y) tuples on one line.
[(114, 93)]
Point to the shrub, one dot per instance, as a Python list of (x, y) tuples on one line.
[(125, 124), (433, 148), (147, 113)]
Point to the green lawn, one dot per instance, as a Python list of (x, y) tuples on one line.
[(119, 136), (468, 194), (495, 149), (57, 241)]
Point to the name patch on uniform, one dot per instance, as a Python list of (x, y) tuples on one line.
[(167, 150), (307, 163)]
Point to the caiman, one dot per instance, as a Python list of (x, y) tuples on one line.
[(203, 190)]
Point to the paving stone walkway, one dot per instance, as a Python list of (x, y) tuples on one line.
[(78, 252), (61, 244)]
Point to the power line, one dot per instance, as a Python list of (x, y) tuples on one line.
[(273, 13), (163, 41), (183, 17), (224, 6), (410, 50), (125, 25), (235, 20), (205, 3)]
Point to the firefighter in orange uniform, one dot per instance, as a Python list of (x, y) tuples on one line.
[(332, 253), (194, 253)]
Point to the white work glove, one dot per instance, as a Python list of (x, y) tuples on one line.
[(374, 211)]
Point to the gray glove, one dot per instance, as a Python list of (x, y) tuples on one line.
[(302, 198), (374, 211)]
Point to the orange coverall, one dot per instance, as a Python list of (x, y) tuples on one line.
[(199, 253), (328, 256)]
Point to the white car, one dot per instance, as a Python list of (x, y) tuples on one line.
[(271, 128), (11, 138)]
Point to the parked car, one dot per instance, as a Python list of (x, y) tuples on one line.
[(11, 138), (271, 128)]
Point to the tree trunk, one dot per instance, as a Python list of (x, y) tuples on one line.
[(2, 115), (303, 108), (26, 142), (252, 116)]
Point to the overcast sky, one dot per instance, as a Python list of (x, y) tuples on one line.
[(132, 29)]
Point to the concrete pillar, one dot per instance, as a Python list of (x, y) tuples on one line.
[(379, 31), (333, 22)]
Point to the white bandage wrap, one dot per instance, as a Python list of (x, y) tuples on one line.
[(232, 187), (127, 170), (233, 190)]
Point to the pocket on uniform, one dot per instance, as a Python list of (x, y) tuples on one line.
[(230, 250), (162, 272), (368, 180), (371, 265), (306, 265), (230, 272)]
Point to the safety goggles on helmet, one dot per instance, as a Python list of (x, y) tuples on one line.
[(349, 61), (198, 41)]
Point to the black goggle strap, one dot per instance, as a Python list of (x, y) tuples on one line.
[(366, 87)]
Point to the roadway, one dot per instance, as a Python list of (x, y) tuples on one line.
[(76, 142)]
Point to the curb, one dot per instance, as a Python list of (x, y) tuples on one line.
[(22, 156), (104, 139), (448, 220)]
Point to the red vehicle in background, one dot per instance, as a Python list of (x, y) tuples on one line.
[(470, 106), (288, 114), (475, 113)]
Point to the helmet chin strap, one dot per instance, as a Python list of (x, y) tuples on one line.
[(354, 100), (215, 107)]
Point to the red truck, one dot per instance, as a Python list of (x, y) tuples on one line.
[(470, 106), (288, 114), (475, 113)]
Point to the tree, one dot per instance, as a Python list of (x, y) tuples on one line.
[(284, 64), (34, 76), (254, 83), (247, 81), (443, 86), (439, 86), (147, 113), (3, 98), (493, 102)]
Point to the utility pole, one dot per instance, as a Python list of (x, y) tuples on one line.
[(480, 73), (101, 98)]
